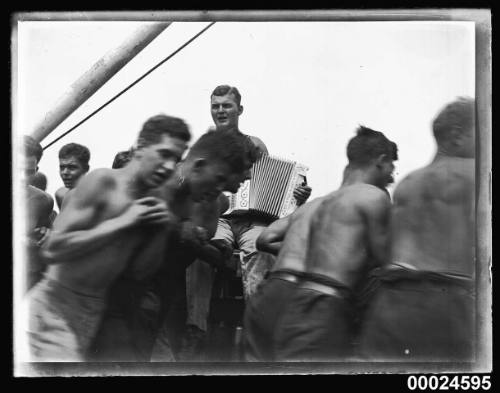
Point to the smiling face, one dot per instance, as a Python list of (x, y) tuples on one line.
[(70, 170), (158, 161), (225, 111)]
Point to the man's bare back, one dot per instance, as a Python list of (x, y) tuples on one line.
[(296, 228), (348, 233), (433, 217)]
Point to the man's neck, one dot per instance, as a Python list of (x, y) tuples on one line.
[(135, 186), (357, 176), (447, 155), (228, 128)]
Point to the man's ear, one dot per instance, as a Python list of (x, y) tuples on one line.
[(137, 153), (36, 169), (240, 110), (457, 136), (199, 164), (381, 159)]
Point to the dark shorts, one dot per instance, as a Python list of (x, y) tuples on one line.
[(419, 316), (262, 313), (317, 323)]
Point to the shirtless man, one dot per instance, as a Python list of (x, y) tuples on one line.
[(38, 211), (302, 311), (73, 164), (129, 330), (424, 307), (110, 222)]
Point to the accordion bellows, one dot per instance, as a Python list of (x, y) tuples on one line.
[(270, 190)]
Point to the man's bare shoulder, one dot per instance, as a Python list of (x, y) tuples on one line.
[(102, 177), (258, 143), (94, 187), (444, 180), (371, 197), (39, 196), (61, 192)]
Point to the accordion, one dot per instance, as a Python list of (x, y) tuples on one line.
[(270, 190)]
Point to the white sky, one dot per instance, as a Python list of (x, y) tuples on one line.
[(305, 86)]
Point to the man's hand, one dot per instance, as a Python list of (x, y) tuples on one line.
[(40, 235), (147, 210), (301, 194), (193, 234), (223, 246)]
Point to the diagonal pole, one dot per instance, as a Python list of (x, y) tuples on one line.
[(85, 86)]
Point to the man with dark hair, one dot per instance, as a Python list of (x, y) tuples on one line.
[(73, 164), (111, 223), (130, 328), (39, 208), (121, 159), (423, 309), (305, 309), (39, 180)]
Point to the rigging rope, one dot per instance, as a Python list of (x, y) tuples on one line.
[(131, 85)]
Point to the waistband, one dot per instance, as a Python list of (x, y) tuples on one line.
[(286, 274), (54, 285), (401, 271), (326, 285)]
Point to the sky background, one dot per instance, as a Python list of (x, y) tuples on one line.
[(306, 86)]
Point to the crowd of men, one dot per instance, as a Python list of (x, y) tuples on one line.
[(350, 275)]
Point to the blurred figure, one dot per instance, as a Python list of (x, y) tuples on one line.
[(39, 180), (113, 222), (424, 307), (305, 310), (39, 210)]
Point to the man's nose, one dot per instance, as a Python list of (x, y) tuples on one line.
[(169, 165)]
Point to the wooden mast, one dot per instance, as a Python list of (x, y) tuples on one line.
[(83, 88)]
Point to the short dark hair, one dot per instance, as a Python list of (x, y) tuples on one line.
[(225, 146), (223, 90), (32, 148), (39, 180), (155, 127), (122, 158), (80, 152), (369, 144), (457, 115)]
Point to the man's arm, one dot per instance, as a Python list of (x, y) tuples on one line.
[(376, 209), (259, 145), (75, 230), (60, 194), (271, 238)]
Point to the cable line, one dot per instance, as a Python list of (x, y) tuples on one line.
[(131, 85)]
